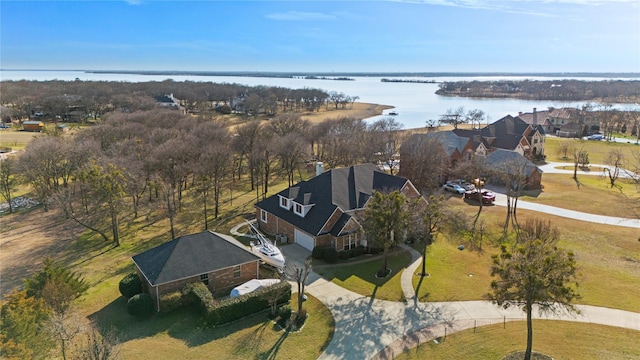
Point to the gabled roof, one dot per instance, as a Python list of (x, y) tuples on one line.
[(510, 161), (191, 255), (449, 140), (343, 189)]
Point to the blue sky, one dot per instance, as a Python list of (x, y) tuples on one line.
[(341, 36)]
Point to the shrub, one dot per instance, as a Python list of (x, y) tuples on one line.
[(229, 310), (140, 305), (171, 301), (358, 251), (284, 315), (300, 318), (346, 254), (331, 255), (197, 293), (318, 252), (130, 285)]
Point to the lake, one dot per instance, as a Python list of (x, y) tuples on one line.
[(415, 103)]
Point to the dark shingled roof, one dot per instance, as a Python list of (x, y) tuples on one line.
[(190, 255), (344, 188), (507, 160), (450, 141)]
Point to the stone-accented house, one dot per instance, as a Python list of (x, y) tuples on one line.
[(509, 133), (514, 164), (217, 260), (323, 211), (457, 148)]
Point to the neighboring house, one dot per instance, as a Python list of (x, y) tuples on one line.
[(509, 133), (217, 260), (323, 211), (36, 126), (458, 148), (514, 164)]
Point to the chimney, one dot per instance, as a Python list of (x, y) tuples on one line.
[(319, 168), (535, 117)]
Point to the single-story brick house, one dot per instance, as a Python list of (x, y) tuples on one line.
[(323, 210), (514, 164), (217, 260)]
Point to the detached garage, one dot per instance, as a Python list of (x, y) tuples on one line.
[(304, 240)]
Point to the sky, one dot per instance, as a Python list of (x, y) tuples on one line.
[(323, 36)]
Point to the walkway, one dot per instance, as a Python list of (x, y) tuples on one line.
[(366, 328)]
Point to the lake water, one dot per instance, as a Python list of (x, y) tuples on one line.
[(415, 103)]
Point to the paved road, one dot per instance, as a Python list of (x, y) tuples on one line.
[(367, 328)]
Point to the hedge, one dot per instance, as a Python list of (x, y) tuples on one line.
[(197, 293), (318, 252), (130, 285), (140, 305), (171, 301), (229, 310), (331, 255)]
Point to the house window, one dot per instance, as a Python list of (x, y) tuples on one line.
[(284, 202), (237, 272), (263, 216), (204, 278), (298, 209)]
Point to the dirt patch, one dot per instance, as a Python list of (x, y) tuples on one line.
[(26, 239)]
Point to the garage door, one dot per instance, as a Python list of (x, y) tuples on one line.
[(304, 240)]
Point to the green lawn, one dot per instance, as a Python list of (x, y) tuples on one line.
[(559, 339), (608, 259), (597, 149), (592, 195), (360, 277), (182, 335)]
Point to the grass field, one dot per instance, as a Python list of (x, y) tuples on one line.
[(608, 258), (558, 339), (597, 150), (360, 277), (592, 195), (182, 335)]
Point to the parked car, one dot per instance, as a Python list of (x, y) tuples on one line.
[(455, 188), (595, 137), (466, 185), (487, 196)]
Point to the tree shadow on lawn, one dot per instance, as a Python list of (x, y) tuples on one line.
[(367, 270), (185, 324)]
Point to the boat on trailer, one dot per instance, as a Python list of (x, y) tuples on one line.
[(266, 250)]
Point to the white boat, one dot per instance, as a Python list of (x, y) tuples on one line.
[(266, 250), (252, 285)]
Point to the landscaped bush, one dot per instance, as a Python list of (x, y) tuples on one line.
[(318, 252), (197, 293), (358, 251), (331, 255), (171, 301), (284, 315), (130, 285), (140, 305), (346, 254), (229, 310), (299, 319)]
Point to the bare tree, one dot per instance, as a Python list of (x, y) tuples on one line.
[(423, 161), (98, 346), (563, 149), (385, 137), (614, 159), (8, 180), (454, 117), (299, 273)]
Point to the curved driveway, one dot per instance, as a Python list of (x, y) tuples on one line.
[(366, 328)]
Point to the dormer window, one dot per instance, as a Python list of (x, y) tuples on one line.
[(298, 209), (285, 203)]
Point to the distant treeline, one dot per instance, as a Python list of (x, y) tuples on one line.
[(619, 91), (84, 99), (365, 74), (409, 81)]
